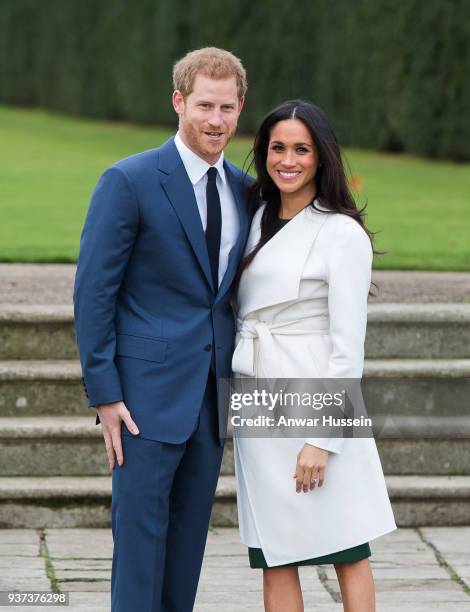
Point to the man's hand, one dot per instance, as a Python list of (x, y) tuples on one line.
[(111, 416), (311, 464)]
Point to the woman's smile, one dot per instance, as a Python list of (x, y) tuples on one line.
[(288, 175)]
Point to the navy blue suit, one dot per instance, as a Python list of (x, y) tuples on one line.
[(148, 323)]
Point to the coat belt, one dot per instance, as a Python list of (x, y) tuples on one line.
[(243, 361)]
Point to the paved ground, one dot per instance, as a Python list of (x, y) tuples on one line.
[(53, 284), (415, 570)]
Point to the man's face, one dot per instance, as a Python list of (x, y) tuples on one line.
[(208, 115)]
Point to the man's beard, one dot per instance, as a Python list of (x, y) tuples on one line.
[(197, 140)]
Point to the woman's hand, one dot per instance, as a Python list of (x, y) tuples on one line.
[(311, 465)]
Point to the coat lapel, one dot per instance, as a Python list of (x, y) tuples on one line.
[(274, 275), (180, 192)]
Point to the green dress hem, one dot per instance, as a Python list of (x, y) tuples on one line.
[(350, 555)]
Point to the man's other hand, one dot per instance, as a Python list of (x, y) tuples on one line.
[(111, 416)]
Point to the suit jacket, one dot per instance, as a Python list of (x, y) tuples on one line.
[(147, 317), (302, 313)]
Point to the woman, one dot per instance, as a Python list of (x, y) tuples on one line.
[(302, 311)]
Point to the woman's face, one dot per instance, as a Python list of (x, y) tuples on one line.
[(292, 159)]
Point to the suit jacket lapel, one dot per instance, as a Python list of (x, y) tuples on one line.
[(180, 192), (239, 193)]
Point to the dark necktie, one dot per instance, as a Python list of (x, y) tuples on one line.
[(214, 224)]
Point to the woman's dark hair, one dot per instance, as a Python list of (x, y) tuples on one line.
[(331, 183)]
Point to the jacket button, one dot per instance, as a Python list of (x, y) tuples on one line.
[(208, 347)]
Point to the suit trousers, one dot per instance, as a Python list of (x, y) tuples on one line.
[(161, 505)]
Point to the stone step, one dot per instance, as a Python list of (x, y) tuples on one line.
[(55, 446), (423, 445), (37, 332), (418, 330), (434, 387), (35, 388), (394, 331), (431, 387), (74, 446), (418, 501)]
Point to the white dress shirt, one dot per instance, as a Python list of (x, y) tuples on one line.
[(196, 169)]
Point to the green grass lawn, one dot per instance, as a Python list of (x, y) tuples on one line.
[(49, 165)]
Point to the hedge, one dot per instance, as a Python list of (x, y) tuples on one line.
[(392, 76)]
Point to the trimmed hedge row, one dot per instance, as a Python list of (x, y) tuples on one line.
[(391, 75)]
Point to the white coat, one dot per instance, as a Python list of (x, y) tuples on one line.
[(302, 313)]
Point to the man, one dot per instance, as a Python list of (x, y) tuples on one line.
[(162, 240)]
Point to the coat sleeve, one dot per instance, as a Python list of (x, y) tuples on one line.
[(348, 265), (106, 243)]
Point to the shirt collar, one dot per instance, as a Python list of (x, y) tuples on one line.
[(195, 166)]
